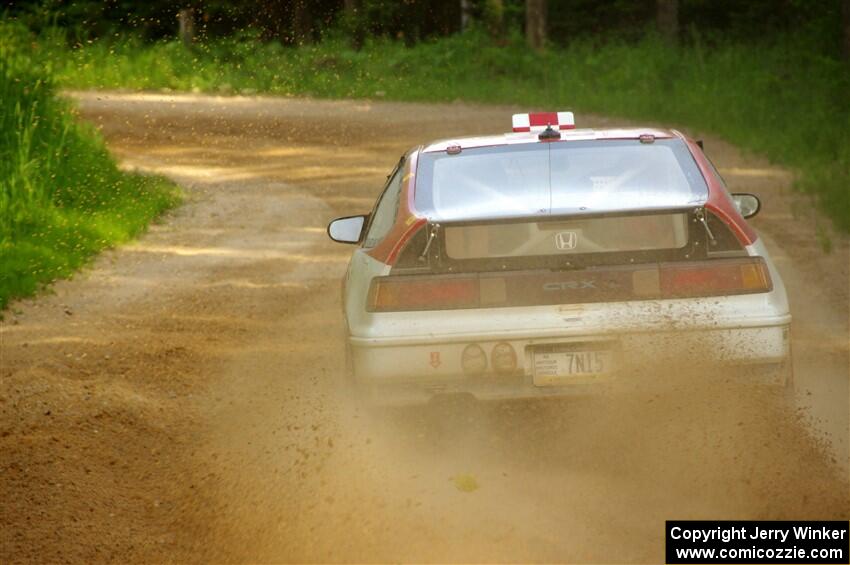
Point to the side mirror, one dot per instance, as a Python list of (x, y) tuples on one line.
[(748, 204), (347, 230)]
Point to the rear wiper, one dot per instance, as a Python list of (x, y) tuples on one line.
[(431, 235), (699, 214)]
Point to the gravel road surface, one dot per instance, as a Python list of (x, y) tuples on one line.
[(180, 399)]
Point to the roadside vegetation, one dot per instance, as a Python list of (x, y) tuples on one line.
[(62, 197), (776, 98)]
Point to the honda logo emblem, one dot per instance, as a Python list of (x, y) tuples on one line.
[(566, 240)]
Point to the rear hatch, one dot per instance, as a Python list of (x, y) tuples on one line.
[(505, 263), (564, 222)]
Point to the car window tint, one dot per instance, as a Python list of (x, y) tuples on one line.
[(385, 211), (616, 234), (570, 177), (480, 183), (630, 175)]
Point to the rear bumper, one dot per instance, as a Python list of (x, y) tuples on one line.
[(405, 370)]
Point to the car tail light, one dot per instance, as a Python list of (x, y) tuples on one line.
[(422, 293), (649, 281), (711, 278)]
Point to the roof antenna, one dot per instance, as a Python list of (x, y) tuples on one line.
[(549, 134)]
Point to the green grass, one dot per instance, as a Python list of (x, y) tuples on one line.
[(62, 198), (779, 99)]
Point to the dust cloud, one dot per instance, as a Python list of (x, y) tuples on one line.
[(197, 411), (585, 479)]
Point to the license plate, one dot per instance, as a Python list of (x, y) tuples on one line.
[(557, 365)]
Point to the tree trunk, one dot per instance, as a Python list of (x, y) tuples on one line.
[(186, 20), (494, 17), (353, 22), (667, 19), (465, 14), (302, 32), (846, 19), (535, 23)]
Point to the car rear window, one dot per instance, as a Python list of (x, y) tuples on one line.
[(645, 232), (569, 177)]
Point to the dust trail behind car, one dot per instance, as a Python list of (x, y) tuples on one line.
[(208, 357), (549, 260)]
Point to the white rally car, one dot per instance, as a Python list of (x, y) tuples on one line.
[(544, 261)]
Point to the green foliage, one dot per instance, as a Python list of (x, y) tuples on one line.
[(62, 198), (414, 20), (777, 99)]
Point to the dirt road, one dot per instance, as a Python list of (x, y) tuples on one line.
[(179, 401)]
